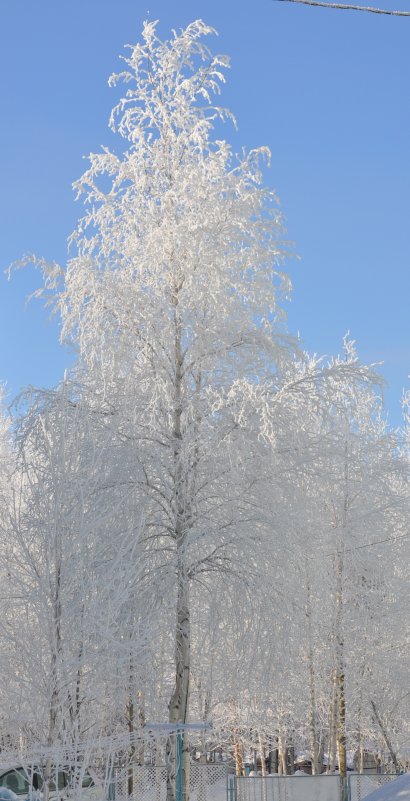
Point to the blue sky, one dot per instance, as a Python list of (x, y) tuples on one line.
[(327, 91)]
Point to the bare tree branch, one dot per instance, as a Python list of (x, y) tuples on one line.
[(349, 7)]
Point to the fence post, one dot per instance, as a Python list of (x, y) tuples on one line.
[(345, 788), (231, 788), (179, 782)]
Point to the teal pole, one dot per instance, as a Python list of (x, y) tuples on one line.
[(179, 766)]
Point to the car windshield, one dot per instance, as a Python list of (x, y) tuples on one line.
[(19, 780), (15, 780)]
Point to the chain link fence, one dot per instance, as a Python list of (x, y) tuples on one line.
[(306, 788), (288, 788), (362, 784)]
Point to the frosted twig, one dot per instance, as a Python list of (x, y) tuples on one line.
[(347, 6)]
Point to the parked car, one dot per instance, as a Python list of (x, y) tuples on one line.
[(25, 785), (7, 795)]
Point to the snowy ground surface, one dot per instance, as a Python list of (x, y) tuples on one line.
[(397, 790)]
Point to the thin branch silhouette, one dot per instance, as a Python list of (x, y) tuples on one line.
[(346, 6)]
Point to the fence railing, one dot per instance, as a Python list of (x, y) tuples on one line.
[(288, 788)]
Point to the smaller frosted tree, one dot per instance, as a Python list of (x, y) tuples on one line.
[(65, 631)]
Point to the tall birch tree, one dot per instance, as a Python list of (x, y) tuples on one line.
[(172, 299)]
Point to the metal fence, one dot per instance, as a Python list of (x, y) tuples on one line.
[(149, 783), (288, 788), (362, 784), (210, 782), (305, 788)]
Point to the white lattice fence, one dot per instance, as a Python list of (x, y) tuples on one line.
[(206, 783), (149, 783)]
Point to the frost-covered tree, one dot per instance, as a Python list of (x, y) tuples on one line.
[(69, 586), (355, 489), (173, 301), (226, 454)]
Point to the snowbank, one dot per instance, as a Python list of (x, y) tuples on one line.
[(397, 790)]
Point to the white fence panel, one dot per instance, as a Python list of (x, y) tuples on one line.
[(288, 788), (206, 783)]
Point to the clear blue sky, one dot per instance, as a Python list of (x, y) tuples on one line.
[(327, 91)]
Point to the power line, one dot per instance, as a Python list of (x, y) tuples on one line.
[(345, 6), (376, 542), (317, 549)]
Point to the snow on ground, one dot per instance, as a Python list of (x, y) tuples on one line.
[(397, 790), (217, 791)]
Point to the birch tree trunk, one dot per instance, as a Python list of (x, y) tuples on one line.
[(332, 727), (282, 766), (140, 750), (340, 672), (135, 715), (314, 745), (262, 753), (237, 756), (130, 724), (55, 655), (178, 705), (340, 669), (360, 745), (386, 737)]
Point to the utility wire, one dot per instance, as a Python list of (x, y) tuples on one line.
[(344, 6), (376, 542)]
